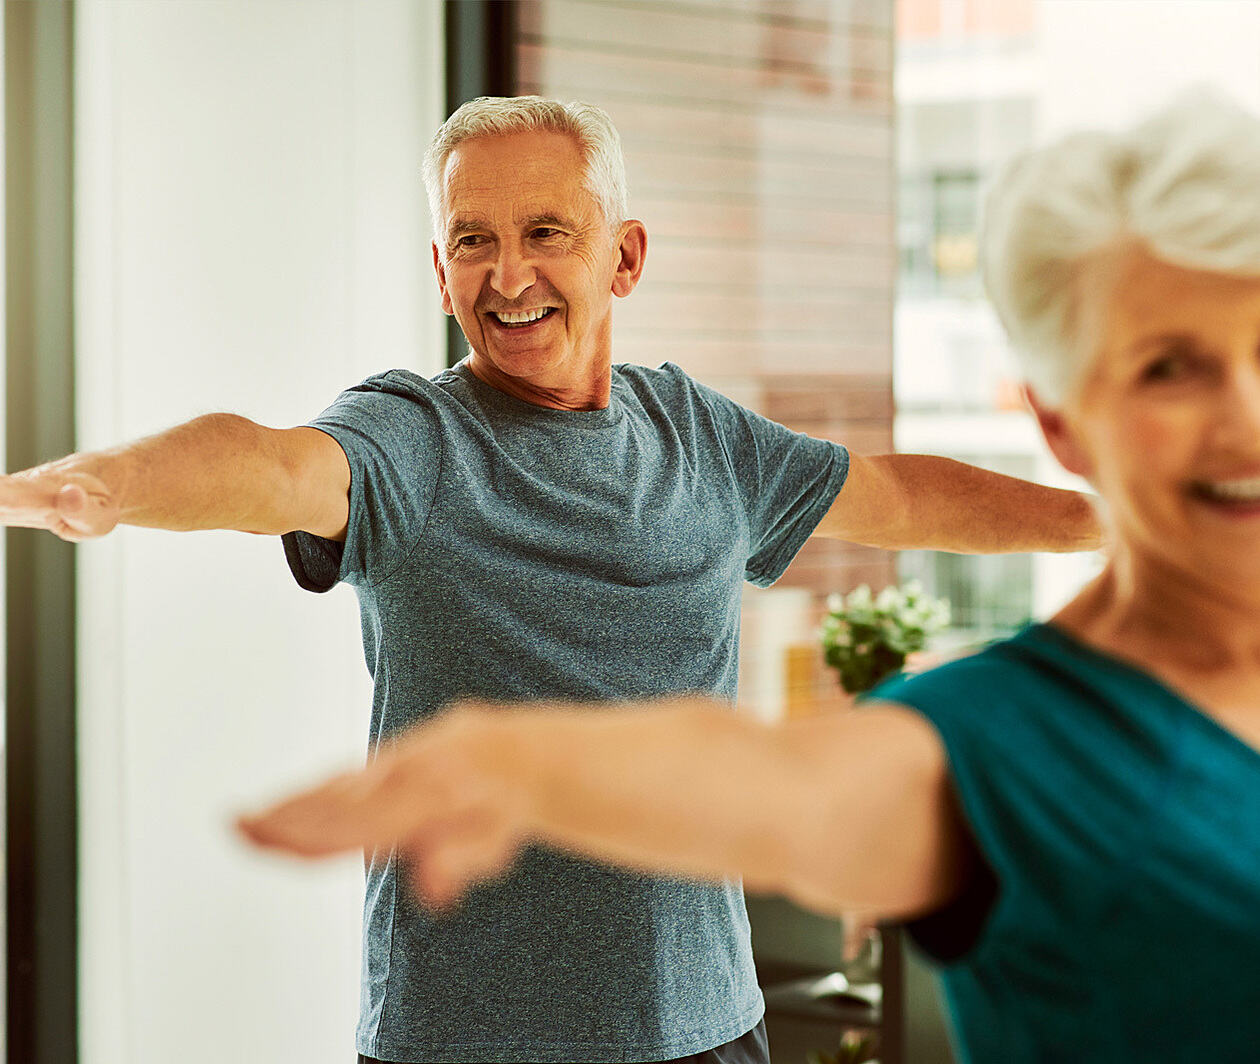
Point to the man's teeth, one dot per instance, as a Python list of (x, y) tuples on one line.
[(1246, 490), (521, 317)]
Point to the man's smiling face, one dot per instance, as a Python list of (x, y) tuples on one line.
[(528, 264)]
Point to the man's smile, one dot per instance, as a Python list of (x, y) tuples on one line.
[(518, 318), (519, 322)]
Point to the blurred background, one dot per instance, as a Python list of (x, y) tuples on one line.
[(216, 205)]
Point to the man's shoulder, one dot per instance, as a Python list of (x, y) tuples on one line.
[(405, 384), (667, 381), (663, 374), (398, 393)]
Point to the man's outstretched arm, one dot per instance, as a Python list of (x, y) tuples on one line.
[(921, 501), (217, 471)]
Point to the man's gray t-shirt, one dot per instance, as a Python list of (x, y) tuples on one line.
[(509, 552)]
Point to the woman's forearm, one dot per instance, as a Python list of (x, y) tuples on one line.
[(841, 811), (684, 787)]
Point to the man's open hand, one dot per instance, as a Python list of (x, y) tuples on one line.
[(72, 506)]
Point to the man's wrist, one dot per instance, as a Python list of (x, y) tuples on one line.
[(1087, 515)]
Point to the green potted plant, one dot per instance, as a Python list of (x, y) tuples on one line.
[(867, 638), (856, 1047)]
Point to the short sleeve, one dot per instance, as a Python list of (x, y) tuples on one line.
[(391, 437), (1052, 779), (786, 480)]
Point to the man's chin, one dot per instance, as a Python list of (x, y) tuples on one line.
[(525, 364)]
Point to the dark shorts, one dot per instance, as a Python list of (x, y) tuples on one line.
[(751, 1048)]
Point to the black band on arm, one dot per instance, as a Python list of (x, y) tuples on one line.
[(950, 933), (314, 561)]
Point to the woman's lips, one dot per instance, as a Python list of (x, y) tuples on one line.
[(1232, 498)]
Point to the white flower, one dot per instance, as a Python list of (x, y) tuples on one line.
[(910, 616), (889, 600)]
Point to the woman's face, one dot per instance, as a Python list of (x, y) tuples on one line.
[(1166, 425)]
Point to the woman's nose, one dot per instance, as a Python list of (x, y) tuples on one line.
[(1238, 420)]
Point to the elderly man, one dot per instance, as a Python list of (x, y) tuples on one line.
[(539, 523)]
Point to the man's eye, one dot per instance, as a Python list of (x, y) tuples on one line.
[(543, 232), (469, 240)]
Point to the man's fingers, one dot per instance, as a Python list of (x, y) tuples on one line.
[(86, 513), (74, 510), (26, 502), (71, 500)]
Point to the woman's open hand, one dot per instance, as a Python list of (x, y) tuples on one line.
[(440, 797)]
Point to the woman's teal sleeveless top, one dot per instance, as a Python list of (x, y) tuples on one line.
[(1118, 919)]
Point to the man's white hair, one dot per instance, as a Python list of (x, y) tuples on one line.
[(490, 116), (1185, 183)]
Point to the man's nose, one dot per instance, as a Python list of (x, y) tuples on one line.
[(513, 273)]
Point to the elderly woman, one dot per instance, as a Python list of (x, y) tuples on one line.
[(1071, 818)]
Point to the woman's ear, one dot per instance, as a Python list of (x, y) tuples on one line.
[(1060, 436)]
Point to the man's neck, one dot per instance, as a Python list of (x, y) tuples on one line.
[(591, 390)]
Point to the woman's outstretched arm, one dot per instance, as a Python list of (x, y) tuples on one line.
[(848, 810)]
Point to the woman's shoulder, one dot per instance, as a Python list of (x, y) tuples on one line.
[(1003, 665), (1042, 689)]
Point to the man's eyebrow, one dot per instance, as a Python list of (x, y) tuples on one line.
[(460, 226), (545, 219)]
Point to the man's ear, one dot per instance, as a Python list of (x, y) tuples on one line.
[(447, 306), (632, 248), (1059, 435)]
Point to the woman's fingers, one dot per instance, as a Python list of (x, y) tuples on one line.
[(434, 797), (348, 812), (419, 793), (445, 864)]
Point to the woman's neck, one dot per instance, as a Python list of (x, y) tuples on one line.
[(1148, 608)]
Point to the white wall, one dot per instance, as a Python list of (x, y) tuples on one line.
[(251, 237), (1107, 63)]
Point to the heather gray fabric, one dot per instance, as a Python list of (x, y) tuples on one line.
[(510, 552), (750, 1048)]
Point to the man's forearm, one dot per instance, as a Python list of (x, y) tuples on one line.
[(971, 510), (217, 471), (919, 501)]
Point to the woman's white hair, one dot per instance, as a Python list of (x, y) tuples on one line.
[(489, 116), (1185, 183)]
